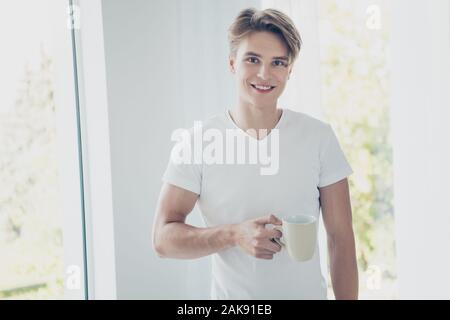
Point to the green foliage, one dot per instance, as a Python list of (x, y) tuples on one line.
[(31, 252)]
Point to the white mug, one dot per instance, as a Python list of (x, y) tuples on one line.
[(299, 236)]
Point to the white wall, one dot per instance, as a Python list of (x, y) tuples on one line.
[(166, 66), (96, 154), (420, 132)]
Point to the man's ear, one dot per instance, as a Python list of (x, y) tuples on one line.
[(231, 64)]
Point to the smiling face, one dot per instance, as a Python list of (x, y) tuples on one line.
[(261, 68)]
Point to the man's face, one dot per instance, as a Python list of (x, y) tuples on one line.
[(261, 60)]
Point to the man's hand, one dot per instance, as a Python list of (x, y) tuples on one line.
[(255, 239)]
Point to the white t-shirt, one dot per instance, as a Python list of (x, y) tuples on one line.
[(309, 157)]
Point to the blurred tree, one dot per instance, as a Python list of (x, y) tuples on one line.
[(30, 219), (355, 77)]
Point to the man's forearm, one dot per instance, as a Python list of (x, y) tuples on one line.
[(344, 270), (182, 241)]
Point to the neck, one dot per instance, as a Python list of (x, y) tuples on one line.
[(250, 117)]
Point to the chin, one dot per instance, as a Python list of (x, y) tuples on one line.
[(260, 106)]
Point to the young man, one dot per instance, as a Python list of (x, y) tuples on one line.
[(237, 201)]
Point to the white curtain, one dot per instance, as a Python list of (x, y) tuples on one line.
[(420, 135)]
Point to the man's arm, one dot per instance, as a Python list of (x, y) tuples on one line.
[(173, 238), (337, 217)]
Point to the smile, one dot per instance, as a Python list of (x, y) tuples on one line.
[(262, 89)]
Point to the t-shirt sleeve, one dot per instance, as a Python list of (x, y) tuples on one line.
[(186, 175), (333, 164)]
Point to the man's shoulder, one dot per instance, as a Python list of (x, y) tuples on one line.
[(306, 121)]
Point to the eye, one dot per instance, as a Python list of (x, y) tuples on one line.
[(280, 63), (251, 59)]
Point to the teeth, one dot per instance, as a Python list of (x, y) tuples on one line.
[(262, 87)]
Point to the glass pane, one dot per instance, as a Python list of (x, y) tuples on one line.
[(34, 91)]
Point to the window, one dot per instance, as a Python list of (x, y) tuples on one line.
[(41, 204)]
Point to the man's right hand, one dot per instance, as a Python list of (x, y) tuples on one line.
[(253, 237)]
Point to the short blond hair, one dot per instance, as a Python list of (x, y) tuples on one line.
[(252, 20)]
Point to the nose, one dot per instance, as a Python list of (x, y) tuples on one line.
[(263, 72)]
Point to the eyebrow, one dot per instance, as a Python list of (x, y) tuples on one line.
[(250, 53)]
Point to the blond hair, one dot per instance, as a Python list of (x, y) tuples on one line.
[(252, 20)]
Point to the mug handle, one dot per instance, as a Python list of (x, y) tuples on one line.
[(278, 240)]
